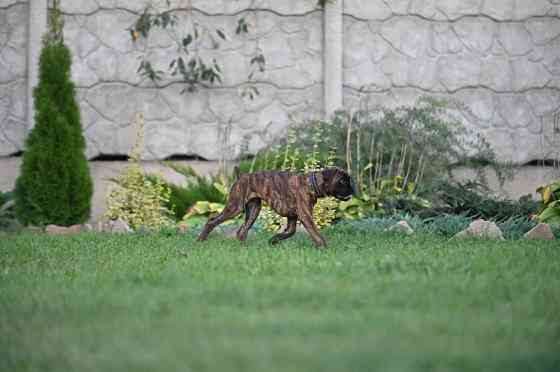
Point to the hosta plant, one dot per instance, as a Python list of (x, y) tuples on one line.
[(551, 203)]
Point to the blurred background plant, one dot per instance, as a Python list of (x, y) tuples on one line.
[(8, 220)]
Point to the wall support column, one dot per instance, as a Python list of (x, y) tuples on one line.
[(36, 29), (333, 56)]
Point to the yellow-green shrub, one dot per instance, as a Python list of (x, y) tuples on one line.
[(137, 200)]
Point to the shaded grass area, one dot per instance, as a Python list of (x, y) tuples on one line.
[(372, 302)]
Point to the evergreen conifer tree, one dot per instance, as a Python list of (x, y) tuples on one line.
[(55, 185)]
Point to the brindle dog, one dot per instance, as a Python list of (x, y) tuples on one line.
[(292, 195)]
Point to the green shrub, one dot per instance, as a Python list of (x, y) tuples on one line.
[(474, 200), (55, 186), (197, 188)]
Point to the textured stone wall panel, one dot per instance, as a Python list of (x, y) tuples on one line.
[(13, 72), (111, 91), (501, 58)]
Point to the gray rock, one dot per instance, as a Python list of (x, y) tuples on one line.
[(481, 229), (541, 231), (63, 230), (119, 227), (370, 9), (402, 227)]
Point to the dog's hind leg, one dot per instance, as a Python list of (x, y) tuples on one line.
[(252, 210), (288, 231), (232, 209)]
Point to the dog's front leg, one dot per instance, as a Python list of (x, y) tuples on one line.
[(305, 215)]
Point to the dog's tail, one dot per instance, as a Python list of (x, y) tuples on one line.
[(236, 172)]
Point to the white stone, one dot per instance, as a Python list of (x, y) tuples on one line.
[(166, 138), (104, 63), (529, 75), (291, 25), (186, 105), (277, 51), (409, 36), (544, 102), (541, 231), (454, 9), (274, 118), (515, 39), (480, 103), (459, 71), (426, 9), (117, 102), (265, 97), (499, 9), (423, 73), (359, 44), (396, 68), (367, 9), (497, 74), (543, 30), (111, 28), (119, 227), (82, 74), (476, 34), (515, 110), (14, 61), (402, 227), (106, 137), (367, 75), (399, 6), (78, 6), (153, 106), (481, 229), (226, 105), (445, 40), (526, 9)]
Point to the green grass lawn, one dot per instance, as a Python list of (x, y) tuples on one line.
[(372, 302)]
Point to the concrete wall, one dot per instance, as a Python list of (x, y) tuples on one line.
[(13, 75), (501, 58)]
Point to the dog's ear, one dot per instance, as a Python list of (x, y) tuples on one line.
[(329, 174)]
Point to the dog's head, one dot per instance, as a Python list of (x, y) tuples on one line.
[(337, 183)]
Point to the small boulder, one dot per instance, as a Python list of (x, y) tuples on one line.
[(481, 229), (34, 229), (118, 227), (541, 231), (182, 228), (402, 227), (62, 230)]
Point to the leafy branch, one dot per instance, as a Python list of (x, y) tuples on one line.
[(193, 70)]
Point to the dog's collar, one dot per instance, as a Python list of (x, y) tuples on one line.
[(314, 184)]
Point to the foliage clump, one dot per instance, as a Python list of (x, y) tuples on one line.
[(55, 185), (551, 203), (136, 199)]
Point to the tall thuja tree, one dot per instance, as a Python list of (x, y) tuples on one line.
[(55, 186)]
